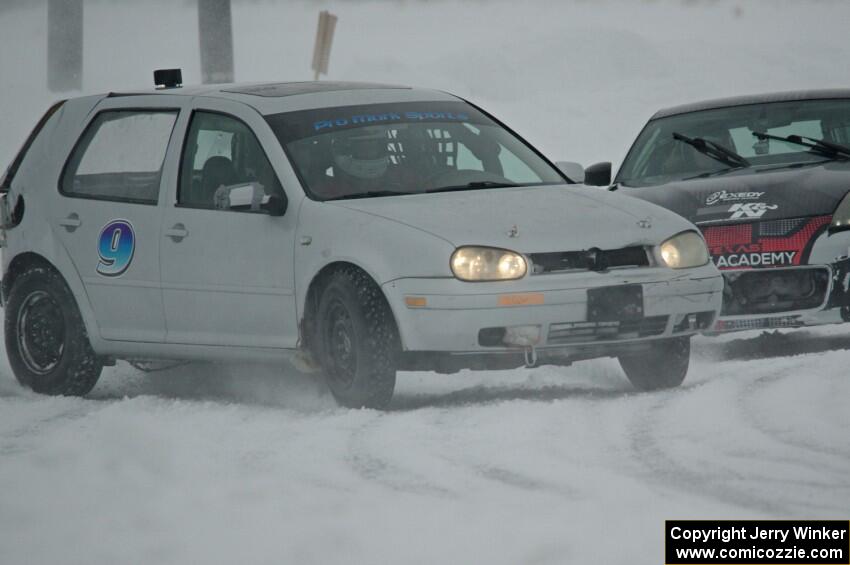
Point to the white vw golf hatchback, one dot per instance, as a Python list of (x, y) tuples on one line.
[(362, 228)]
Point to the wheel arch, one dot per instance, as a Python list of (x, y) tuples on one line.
[(310, 305), (72, 368), (26, 259), (18, 265)]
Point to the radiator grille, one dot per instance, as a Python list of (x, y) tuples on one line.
[(589, 332), (589, 260), (778, 228), (770, 291), (759, 323)]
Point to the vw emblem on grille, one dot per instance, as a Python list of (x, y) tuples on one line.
[(596, 260)]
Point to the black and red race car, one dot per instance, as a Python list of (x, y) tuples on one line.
[(766, 178)]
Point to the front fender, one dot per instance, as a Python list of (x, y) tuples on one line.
[(385, 249)]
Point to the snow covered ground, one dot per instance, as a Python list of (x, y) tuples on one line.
[(215, 465), (252, 464)]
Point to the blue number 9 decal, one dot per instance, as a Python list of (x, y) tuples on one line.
[(115, 247)]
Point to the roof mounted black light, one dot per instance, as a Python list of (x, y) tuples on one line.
[(168, 78)]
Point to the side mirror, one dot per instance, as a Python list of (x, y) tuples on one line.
[(598, 174), (275, 205), (574, 171), (249, 197)]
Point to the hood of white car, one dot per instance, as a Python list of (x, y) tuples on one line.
[(530, 219)]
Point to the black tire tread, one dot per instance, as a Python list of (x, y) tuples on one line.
[(664, 365), (375, 381), (79, 368)]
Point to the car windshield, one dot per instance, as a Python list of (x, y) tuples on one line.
[(658, 156), (405, 148)]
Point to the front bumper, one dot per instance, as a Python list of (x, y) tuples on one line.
[(827, 305), (448, 315)]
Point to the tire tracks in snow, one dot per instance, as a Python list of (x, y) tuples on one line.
[(24, 438), (514, 479), (747, 399), (736, 488), (377, 465), (374, 466)]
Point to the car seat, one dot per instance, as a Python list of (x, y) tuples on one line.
[(217, 171)]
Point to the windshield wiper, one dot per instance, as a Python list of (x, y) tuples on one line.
[(822, 146), (473, 186), (717, 173), (714, 150), (369, 194)]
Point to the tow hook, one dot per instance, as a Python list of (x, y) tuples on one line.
[(530, 357)]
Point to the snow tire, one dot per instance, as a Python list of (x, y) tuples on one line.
[(46, 341), (664, 365), (358, 341)]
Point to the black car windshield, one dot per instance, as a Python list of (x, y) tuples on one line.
[(657, 157), (405, 148)]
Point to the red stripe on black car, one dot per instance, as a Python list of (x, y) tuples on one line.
[(774, 243)]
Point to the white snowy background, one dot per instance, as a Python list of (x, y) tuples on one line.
[(213, 464)]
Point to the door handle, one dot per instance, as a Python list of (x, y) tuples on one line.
[(177, 232), (71, 223)]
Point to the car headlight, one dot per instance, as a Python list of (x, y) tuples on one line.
[(487, 264), (684, 251), (841, 216)]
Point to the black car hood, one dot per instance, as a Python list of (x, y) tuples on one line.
[(754, 194)]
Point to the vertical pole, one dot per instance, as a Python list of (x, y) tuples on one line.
[(64, 45), (324, 40), (215, 32)]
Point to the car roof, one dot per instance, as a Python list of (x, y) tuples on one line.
[(278, 97), (796, 95)]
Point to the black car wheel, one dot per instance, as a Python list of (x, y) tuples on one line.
[(46, 341), (357, 341), (663, 365)]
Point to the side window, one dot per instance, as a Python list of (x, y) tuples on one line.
[(224, 167), (120, 156)]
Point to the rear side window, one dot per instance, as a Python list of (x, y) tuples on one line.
[(119, 156)]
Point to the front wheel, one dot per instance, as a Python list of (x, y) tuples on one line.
[(663, 365), (357, 341), (46, 341)]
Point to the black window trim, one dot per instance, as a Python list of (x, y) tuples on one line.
[(178, 204), (12, 169), (140, 110), (617, 178), (522, 140)]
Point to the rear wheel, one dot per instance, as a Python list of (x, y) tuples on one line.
[(357, 341), (46, 341), (663, 365)]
